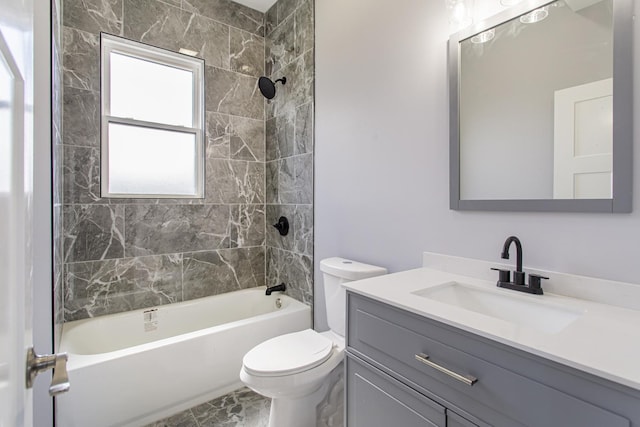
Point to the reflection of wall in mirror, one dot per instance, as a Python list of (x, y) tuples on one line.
[(507, 91)]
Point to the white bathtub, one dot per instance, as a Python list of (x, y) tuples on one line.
[(134, 368)]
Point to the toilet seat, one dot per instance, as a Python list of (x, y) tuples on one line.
[(288, 354)]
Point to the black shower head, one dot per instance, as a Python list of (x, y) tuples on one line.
[(268, 88)]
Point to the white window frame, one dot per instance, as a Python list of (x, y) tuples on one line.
[(109, 44)]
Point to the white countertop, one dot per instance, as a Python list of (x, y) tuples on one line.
[(604, 340)]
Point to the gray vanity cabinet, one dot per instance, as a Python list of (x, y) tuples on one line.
[(375, 399), (401, 366)]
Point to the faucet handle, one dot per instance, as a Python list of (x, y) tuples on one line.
[(535, 283), (504, 276)]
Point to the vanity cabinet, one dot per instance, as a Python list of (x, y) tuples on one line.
[(377, 399), (417, 371)]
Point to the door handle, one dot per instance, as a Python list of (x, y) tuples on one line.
[(37, 364)]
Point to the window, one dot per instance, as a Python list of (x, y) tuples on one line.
[(152, 111)]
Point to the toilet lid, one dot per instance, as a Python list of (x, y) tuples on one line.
[(288, 354)]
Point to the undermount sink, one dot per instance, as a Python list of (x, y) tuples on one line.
[(530, 312)]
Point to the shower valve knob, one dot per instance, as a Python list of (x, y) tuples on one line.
[(282, 226)]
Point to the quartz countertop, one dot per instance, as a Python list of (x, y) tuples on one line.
[(604, 340)]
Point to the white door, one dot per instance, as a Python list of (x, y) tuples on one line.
[(583, 141), (16, 160)]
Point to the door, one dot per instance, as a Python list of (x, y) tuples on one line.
[(16, 160), (583, 141)]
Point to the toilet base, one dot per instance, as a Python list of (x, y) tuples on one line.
[(299, 412)]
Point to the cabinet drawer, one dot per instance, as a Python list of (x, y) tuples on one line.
[(376, 399), (455, 420), (392, 338)]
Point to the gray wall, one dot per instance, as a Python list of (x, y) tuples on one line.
[(289, 146), (126, 254), (381, 175)]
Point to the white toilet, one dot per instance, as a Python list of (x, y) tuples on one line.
[(292, 369)]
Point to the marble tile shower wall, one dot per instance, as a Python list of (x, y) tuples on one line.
[(58, 249), (121, 255), (289, 145)]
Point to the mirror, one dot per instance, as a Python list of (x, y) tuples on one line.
[(541, 109)]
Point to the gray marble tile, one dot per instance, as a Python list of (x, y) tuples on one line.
[(207, 37), (81, 117), (286, 8), (303, 230), (93, 232), (154, 22), (226, 270), (304, 129), (246, 53), (272, 171), (271, 19), (274, 239), (218, 135), (97, 288), (243, 408), (280, 132), (228, 12), (295, 270), (247, 139), (168, 27), (57, 86), (299, 89), (235, 181), (247, 408), (58, 273), (182, 419), (287, 191), (304, 38), (247, 225), (166, 229), (58, 169), (233, 93), (280, 48), (303, 182), (81, 59), (81, 174), (93, 15)]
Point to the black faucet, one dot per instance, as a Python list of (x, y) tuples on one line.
[(504, 278), (518, 274), (278, 288)]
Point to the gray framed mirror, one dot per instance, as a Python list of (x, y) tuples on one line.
[(541, 100)]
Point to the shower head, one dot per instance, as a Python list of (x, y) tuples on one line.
[(268, 88)]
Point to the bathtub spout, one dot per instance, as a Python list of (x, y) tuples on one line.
[(278, 288)]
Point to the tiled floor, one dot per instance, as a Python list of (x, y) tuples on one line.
[(240, 408)]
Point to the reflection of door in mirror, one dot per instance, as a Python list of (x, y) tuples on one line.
[(583, 141)]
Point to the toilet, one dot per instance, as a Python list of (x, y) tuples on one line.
[(293, 369)]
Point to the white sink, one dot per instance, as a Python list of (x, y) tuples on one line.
[(521, 309)]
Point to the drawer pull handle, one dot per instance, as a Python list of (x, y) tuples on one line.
[(467, 379)]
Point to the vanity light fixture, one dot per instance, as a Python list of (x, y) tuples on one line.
[(460, 13), (535, 15), (484, 37)]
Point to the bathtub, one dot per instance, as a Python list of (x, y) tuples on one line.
[(137, 367)]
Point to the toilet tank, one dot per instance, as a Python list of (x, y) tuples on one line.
[(336, 271)]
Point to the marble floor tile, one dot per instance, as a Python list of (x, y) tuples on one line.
[(240, 408)]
